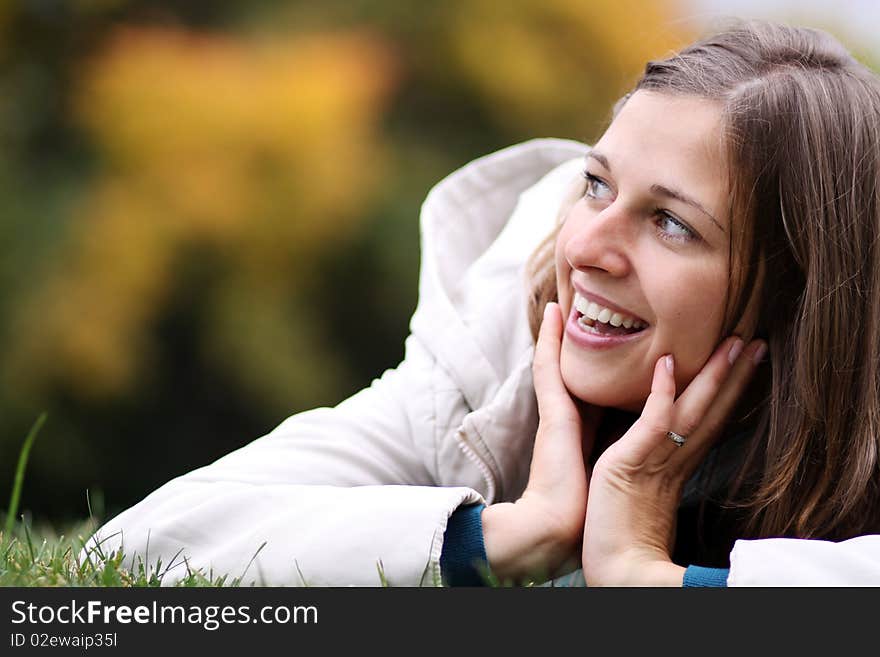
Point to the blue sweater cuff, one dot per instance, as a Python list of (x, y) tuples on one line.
[(705, 577), (463, 561)]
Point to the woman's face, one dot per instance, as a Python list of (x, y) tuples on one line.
[(649, 242)]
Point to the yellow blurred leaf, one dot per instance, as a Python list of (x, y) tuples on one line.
[(554, 68), (264, 151)]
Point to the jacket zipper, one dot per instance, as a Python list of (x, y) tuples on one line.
[(489, 476)]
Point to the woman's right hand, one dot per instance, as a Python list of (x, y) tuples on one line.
[(539, 536)]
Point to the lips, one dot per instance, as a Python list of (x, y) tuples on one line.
[(592, 334)]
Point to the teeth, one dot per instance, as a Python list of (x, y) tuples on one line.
[(605, 315)]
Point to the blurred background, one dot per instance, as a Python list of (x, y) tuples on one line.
[(210, 210)]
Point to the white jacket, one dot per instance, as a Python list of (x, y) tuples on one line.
[(333, 495)]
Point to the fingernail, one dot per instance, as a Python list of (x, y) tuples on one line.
[(760, 352), (735, 350), (670, 364)]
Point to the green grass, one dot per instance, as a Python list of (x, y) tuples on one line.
[(43, 558), (39, 556)]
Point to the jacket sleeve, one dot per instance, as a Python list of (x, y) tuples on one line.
[(328, 498), (802, 562)]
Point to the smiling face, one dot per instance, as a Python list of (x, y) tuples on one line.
[(649, 242)]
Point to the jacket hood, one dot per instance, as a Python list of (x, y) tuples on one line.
[(478, 227)]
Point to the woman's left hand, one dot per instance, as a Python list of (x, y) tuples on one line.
[(636, 485)]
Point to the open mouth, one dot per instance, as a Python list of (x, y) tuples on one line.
[(593, 318)]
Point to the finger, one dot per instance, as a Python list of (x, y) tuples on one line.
[(695, 401), (656, 416), (553, 397), (728, 396), (557, 465)]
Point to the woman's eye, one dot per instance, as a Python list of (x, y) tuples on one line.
[(669, 228), (672, 229), (596, 187)]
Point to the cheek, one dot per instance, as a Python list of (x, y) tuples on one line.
[(689, 325)]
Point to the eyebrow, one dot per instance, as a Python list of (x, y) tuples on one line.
[(660, 189)]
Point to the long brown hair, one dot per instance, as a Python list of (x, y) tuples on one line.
[(801, 124)]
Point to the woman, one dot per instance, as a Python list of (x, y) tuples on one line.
[(733, 196)]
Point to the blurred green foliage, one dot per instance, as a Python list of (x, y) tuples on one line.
[(210, 210)]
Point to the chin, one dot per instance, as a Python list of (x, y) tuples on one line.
[(604, 393)]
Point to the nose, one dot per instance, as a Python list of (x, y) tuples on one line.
[(600, 240)]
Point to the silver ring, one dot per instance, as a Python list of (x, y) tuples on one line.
[(677, 438)]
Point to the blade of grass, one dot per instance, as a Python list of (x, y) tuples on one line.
[(381, 568), (19, 473), (259, 549), (299, 570), (30, 544)]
